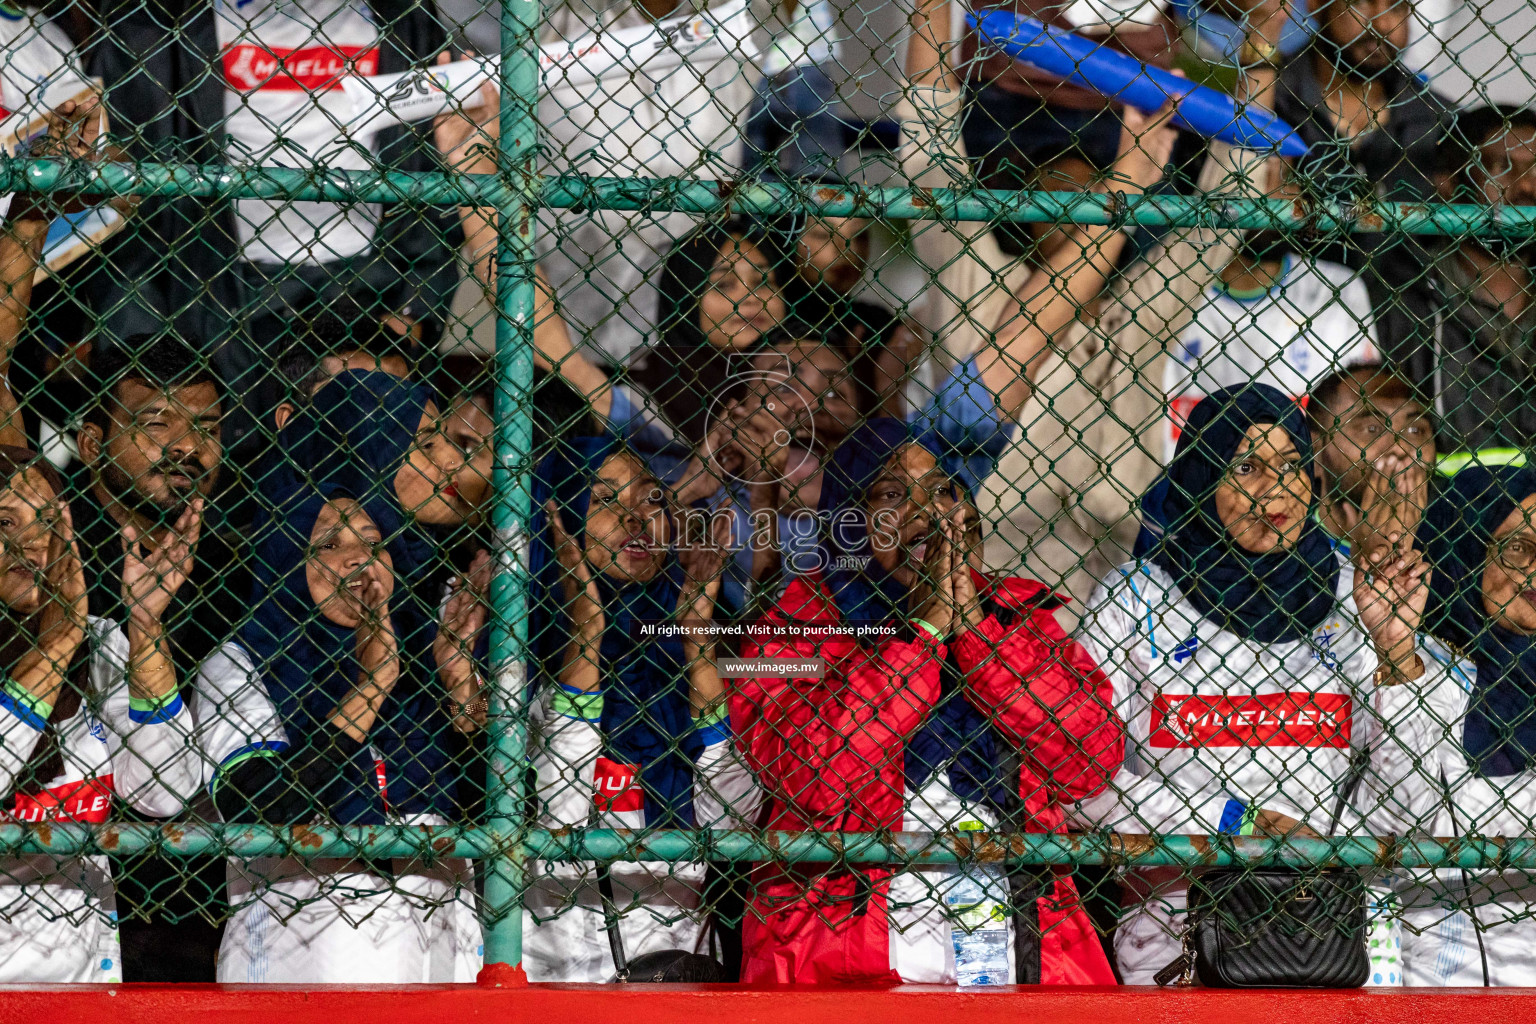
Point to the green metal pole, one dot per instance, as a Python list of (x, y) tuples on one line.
[(576, 191), (507, 876), (674, 846)]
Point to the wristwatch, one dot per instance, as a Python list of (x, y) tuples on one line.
[(1388, 675), (479, 706)]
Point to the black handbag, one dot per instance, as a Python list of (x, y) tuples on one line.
[(675, 966), (1277, 927)]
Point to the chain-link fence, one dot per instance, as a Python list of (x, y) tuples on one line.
[(803, 493)]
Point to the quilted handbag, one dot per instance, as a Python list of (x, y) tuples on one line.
[(1279, 928)]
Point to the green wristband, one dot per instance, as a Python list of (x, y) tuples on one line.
[(32, 710), (930, 627)]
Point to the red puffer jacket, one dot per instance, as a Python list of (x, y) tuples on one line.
[(829, 754)]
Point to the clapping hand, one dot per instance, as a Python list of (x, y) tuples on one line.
[(150, 582), (462, 621), (1146, 146), (583, 603), (1391, 588), (62, 625), (704, 564)]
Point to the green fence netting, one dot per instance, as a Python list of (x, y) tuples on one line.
[(764, 492)]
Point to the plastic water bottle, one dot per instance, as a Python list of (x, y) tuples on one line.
[(1384, 936), (978, 924)]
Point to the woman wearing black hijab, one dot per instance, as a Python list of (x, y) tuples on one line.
[(1458, 755), (1239, 640)]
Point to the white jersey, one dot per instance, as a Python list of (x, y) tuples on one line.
[(1422, 784), (564, 936), (326, 921), (282, 63), (1217, 724), (1317, 319), (684, 121), (58, 915), (35, 56)]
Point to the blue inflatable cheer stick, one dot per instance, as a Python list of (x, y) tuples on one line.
[(1127, 80)]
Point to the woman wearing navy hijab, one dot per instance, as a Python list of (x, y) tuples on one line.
[(1241, 663), (955, 675), (368, 420), (323, 709), (629, 728), (1459, 757)]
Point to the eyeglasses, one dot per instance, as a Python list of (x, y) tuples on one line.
[(1516, 552)]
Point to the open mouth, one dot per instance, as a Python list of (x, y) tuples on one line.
[(917, 547), (637, 548)]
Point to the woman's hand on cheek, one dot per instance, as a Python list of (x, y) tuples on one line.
[(463, 620), (703, 563), (63, 623)]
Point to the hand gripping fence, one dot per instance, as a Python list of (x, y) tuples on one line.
[(791, 486)]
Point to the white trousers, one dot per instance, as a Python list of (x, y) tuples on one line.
[(57, 934), (353, 927)]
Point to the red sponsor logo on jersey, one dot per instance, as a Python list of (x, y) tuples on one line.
[(89, 800), (1262, 720), (381, 775), (1180, 406), (618, 786), (248, 67)]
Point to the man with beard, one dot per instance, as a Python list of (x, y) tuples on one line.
[(1350, 86), (150, 448), (1370, 123), (1375, 445), (1465, 330)]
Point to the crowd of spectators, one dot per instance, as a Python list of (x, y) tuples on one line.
[(1095, 531)]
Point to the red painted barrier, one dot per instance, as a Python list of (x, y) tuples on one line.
[(687, 1004)]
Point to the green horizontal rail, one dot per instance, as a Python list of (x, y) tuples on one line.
[(582, 192), (861, 847)]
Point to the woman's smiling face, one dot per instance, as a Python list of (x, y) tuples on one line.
[(741, 301), (627, 530), (1509, 572), (346, 554)]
